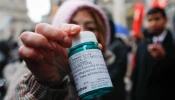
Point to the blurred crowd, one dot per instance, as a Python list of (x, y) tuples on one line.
[(141, 63)]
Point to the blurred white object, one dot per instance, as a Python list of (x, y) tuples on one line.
[(128, 84)]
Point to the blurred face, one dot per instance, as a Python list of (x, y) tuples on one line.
[(85, 20), (156, 23)]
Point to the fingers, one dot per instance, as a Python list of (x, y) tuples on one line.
[(150, 47), (156, 50), (154, 47), (154, 54), (61, 35), (28, 53), (71, 29), (37, 41), (100, 46)]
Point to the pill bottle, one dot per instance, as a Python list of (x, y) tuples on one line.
[(88, 67)]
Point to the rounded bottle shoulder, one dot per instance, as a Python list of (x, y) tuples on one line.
[(82, 47)]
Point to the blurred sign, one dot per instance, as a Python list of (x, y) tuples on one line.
[(137, 21), (159, 3)]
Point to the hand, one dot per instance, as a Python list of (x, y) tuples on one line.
[(156, 50), (45, 51)]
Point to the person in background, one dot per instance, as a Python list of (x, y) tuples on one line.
[(153, 76), (120, 49), (44, 52), (8, 55)]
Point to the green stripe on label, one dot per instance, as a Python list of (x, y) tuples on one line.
[(82, 47)]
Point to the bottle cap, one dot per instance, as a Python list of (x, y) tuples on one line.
[(84, 36)]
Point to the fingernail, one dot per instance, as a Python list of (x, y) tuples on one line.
[(74, 29)]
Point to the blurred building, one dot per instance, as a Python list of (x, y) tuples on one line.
[(54, 7), (122, 10), (13, 18), (116, 7), (170, 9)]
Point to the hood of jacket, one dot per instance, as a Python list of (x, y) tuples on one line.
[(66, 11)]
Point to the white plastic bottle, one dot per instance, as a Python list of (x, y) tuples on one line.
[(88, 67)]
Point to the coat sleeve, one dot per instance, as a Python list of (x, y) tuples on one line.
[(135, 74), (169, 64), (29, 89)]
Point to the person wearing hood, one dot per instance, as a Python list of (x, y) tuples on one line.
[(44, 52)]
